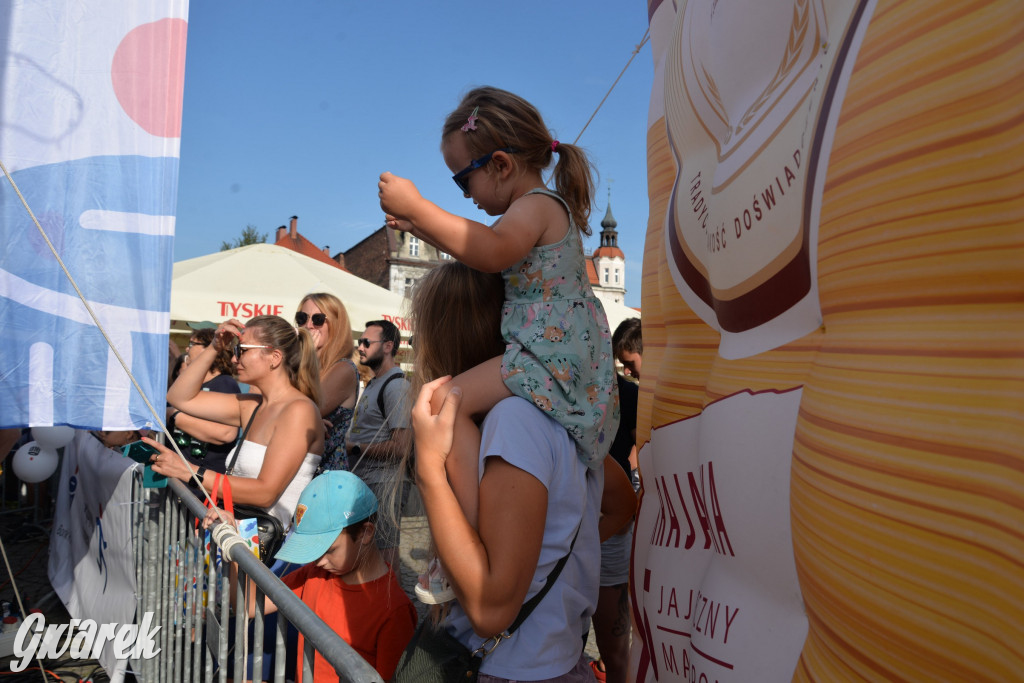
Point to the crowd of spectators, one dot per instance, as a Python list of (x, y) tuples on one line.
[(279, 412)]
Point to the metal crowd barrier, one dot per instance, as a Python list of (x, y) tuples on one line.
[(187, 587)]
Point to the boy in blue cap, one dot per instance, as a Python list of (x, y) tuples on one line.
[(345, 580)]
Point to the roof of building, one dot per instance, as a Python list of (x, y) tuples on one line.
[(609, 252), (592, 273), (609, 236), (609, 222), (300, 244)]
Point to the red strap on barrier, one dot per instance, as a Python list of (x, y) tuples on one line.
[(220, 481)]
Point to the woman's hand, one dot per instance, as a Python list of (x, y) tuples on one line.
[(227, 334), (398, 198), (215, 514), (434, 433), (168, 463)]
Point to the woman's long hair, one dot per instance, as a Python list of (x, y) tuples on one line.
[(456, 319), (298, 348), (339, 344)]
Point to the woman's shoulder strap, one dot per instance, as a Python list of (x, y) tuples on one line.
[(252, 416)]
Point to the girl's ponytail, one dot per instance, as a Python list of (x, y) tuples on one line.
[(574, 181)]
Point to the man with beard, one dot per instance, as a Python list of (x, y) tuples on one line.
[(377, 438)]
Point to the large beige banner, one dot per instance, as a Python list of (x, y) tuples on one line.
[(832, 408)]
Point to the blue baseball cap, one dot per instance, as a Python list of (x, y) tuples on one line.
[(334, 500)]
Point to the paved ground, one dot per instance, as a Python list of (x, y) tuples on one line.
[(26, 544), (26, 541)]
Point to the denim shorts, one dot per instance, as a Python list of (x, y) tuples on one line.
[(615, 558)]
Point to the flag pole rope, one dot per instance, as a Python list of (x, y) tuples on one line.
[(636, 51)]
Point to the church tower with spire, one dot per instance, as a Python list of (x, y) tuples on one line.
[(608, 272)]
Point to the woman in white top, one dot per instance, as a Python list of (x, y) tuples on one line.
[(286, 439)]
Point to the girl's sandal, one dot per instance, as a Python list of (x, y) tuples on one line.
[(437, 591)]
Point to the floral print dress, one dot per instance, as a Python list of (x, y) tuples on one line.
[(558, 352), (335, 456)]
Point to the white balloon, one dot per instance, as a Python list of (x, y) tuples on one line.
[(53, 437), (33, 462)]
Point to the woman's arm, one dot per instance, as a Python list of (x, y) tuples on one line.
[(490, 570), (338, 387), (187, 395), (295, 433), (618, 500), (205, 430)]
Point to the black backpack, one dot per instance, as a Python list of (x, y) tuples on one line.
[(380, 395)]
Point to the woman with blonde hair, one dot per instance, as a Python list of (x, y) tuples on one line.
[(285, 439), (325, 318)]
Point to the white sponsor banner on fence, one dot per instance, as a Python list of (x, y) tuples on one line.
[(92, 563)]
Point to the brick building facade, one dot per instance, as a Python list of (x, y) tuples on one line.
[(392, 259)]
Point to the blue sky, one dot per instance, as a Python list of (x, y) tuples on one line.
[(296, 108)]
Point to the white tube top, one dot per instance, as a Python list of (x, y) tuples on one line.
[(249, 463)]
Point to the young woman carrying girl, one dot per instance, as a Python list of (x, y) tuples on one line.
[(538, 503), (558, 351)]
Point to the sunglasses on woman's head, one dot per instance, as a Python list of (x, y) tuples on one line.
[(318, 319)]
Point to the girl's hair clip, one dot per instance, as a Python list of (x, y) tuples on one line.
[(470, 123)]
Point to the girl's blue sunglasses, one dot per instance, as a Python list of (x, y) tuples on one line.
[(462, 177)]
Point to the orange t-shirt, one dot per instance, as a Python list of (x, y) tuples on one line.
[(376, 618)]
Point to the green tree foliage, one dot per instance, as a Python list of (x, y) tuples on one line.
[(250, 235)]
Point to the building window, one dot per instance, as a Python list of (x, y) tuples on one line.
[(606, 276), (616, 276), (414, 246), (445, 257)]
